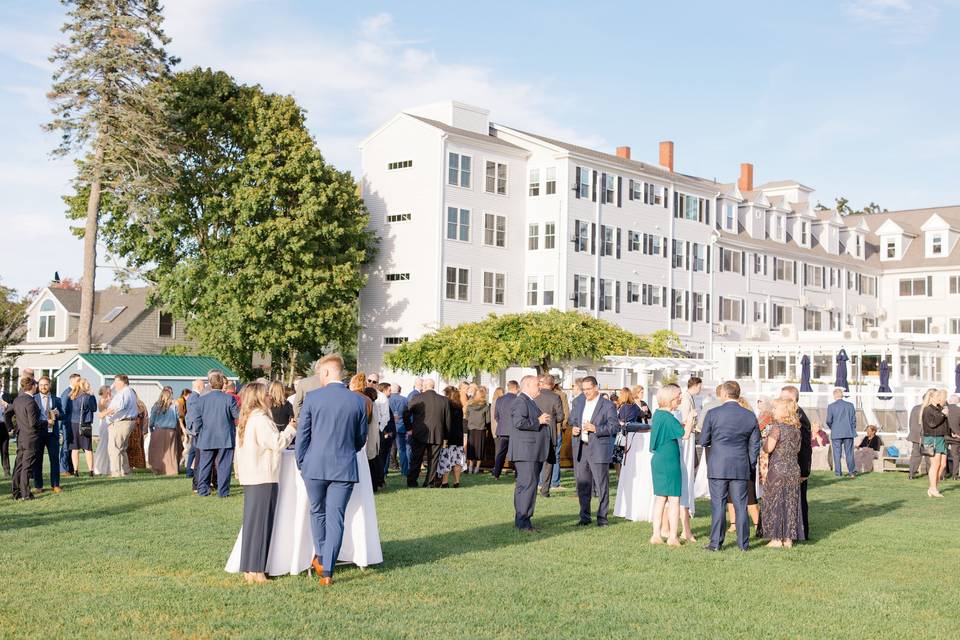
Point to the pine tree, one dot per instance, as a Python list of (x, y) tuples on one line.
[(108, 109)]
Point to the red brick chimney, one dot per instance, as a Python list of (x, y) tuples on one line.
[(666, 155), (623, 152), (746, 177)]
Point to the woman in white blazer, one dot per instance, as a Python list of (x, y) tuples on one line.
[(260, 446)]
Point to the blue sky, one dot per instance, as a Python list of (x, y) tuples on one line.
[(856, 98)]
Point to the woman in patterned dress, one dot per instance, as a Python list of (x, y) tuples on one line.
[(782, 519)]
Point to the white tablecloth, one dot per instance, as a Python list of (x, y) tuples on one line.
[(702, 482), (635, 488), (291, 546)]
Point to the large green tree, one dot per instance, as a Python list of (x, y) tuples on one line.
[(535, 339), (13, 322), (260, 245), (108, 109)]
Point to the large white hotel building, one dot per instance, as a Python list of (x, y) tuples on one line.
[(476, 217)]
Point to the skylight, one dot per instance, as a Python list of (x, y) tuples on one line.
[(113, 313)]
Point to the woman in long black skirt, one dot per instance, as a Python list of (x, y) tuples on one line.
[(260, 446)]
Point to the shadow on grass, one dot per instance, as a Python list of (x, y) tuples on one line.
[(827, 518), (412, 552)]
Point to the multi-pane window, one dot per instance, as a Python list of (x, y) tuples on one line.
[(582, 236), (699, 311), (814, 275), (399, 217), (533, 237), (730, 218), (781, 315), (676, 308), (389, 341), (496, 178), (167, 327), (759, 311), (582, 291), (609, 188), (654, 194), (458, 283), (699, 257), (731, 310), (633, 240), (783, 269), (954, 285), (868, 285), (549, 235), (936, 244), (584, 182), (636, 190), (397, 277), (744, 367), (913, 286), (606, 246), (493, 287), (653, 295), (731, 261), (532, 291), (677, 253), (458, 224), (955, 326), (548, 290), (551, 183), (804, 233), (633, 292), (494, 230), (606, 295), (652, 245), (534, 182), (459, 168), (914, 325), (48, 319), (812, 320), (400, 164), (890, 249)]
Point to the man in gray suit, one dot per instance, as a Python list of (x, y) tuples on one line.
[(549, 402), (305, 386), (915, 436), (530, 441), (842, 421), (953, 421)]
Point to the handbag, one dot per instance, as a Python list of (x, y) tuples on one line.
[(927, 450), (86, 429), (893, 452)]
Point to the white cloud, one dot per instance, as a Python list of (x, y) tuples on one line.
[(903, 21)]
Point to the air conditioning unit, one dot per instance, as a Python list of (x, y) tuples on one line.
[(881, 314), (861, 310), (756, 332), (804, 301), (848, 333), (878, 333), (720, 329), (788, 331), (934, 328)]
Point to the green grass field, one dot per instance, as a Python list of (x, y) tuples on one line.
[(142, 557)]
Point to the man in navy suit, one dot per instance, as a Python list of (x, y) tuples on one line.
[(842, 420), (594, 423), (504, 420), (215, 424), (530, 441), (47, 402), (190, 421), (732, 436), (332, 429)]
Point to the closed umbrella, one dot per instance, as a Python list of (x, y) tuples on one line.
[(805, 375), (957, 378), (884, 380), (842, 359)]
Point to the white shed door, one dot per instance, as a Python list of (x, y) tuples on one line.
[(148, 392)]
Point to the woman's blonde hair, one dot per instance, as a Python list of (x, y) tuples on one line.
[(927, 400), (358, 382), (785, 412), (85, 386), (624, 397), (278, 395), (743, 403), (635, 391), (666, 395), (480, 397), (77, 390), (253, 397), (164, 401)]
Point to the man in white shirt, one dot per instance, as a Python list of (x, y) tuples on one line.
[(121, 414)]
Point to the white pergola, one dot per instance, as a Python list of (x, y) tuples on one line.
[(647, 364)]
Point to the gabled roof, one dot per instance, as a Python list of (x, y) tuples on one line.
[(152, 366), (473, 135), (781, 184), (69, 298)]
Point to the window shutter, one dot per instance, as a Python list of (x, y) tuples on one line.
[(630, 190), (619, 191), (686, 305), (676, 205), (576, 235), (618, 243), (804, 277), (577, 190), (643, 294), (743, 263), (708, 316), (593, 293), (616, 298), (794, 272), (603, 239), (743, 318), (576, 291), (593, 194), (720, 309), (663, 296), (602, 299), (663, 245), (709, 254), (666, 199), (720, 261), (706, 217), (764, 265), (687, 255), (929, 285), (593, 238)]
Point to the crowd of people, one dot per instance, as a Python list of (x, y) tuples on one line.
[(756, 460)]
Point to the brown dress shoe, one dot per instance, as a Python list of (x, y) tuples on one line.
[(57, 489), (326, 581), (317, 567)]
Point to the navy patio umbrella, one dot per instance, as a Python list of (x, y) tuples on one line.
[(956, 375), (842, 359), (884, 380), (805, 375)]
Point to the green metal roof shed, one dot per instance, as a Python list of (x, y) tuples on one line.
[(148, 373)]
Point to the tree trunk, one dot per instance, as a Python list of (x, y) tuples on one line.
[(293, 365), (87, 282)]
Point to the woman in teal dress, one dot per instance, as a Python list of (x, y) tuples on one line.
[(665, 434)]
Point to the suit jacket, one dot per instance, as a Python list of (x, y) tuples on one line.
[(733, 436), (607, 422), (842, 419), (915, 433), (550, 403), (54, 404), (331, 430), (501, 414), (304, 386), (530, 441), (566, 410), (953, 419), (805, 455), (24, 419), (193, 410), (216, 421), (430, 413)]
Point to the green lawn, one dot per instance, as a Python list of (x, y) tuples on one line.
[(142, 557)]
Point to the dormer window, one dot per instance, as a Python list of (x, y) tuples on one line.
[(804, 233), (890, 248), (858, 245), (937, 242), (730, 218), (48, 319)]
